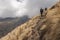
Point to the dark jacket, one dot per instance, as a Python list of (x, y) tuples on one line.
[(41, 10)]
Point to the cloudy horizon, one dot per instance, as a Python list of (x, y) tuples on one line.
[(13, 8)]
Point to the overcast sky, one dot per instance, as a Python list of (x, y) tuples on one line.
[(12, 8)]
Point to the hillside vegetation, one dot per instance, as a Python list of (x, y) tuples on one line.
[(37, 28), (8, 24)]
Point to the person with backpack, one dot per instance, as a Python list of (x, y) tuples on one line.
[(41, 12), (45, 11)]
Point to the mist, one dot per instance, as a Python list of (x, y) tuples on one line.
[(17, 8)]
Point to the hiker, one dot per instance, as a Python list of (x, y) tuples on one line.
[(45, 11), (41, 12)]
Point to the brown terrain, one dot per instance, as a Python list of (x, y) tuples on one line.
[(37, 28), (8, 24)]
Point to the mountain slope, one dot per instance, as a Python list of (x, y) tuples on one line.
[(38, 29), (8, 24), (26, 29)]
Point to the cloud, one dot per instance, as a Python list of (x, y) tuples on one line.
[(34, 6), (12, 8)]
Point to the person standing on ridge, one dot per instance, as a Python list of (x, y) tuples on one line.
[(41, 12), (45, 11)]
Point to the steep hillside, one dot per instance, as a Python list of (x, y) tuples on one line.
[(47, 28), (8, 24)]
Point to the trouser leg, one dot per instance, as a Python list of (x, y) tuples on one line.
[(41, 14)]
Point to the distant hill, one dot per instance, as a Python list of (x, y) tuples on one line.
[(37, 28), (8, 24)]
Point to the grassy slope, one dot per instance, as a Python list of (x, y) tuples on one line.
[(7, 25)]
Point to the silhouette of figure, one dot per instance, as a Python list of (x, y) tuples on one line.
[(41, 12), (45, 9)]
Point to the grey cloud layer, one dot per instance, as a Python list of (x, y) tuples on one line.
[(29, 7)]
